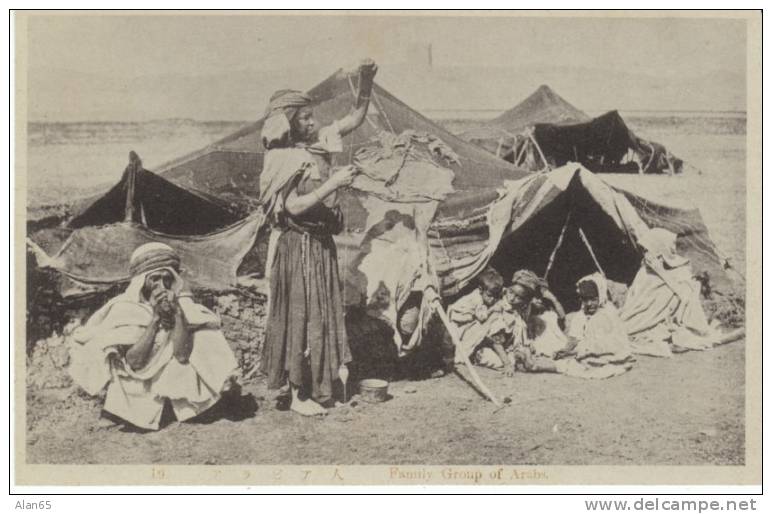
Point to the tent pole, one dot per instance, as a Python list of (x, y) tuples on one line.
[(538, 149), (131, 170), (557, 245), (520, 151), (592, 253), (452, 331)]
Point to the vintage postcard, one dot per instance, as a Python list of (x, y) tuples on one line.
[(387, 248)]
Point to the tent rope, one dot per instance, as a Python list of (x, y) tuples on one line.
[(382, 111)]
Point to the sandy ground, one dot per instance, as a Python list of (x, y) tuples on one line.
[(684, 410)]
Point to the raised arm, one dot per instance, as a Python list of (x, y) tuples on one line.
[(138, 355), (367, 71)]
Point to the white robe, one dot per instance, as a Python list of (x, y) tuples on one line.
[(654, 314), (137, 396)]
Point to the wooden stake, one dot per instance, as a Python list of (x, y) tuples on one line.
[(452, 331), (131, 170)]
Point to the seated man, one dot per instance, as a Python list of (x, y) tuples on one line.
[(151, 344), (662, 311)]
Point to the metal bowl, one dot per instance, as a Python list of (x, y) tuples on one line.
[(373, 390)]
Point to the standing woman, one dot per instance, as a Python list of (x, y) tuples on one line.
[(305, 340)]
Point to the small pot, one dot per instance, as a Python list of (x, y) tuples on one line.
[(373, 390)]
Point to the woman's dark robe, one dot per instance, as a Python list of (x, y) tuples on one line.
[(305, 338)]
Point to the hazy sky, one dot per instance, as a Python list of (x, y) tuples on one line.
[(135, 48)]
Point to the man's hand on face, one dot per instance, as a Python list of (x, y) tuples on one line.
[(164, 303)]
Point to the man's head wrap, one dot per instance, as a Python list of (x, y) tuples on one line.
[(282, 107), (530, 281), (153, 256)]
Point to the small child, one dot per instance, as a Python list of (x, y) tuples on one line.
[(477, 316), (508, 332), (598, 342), (540, 315)]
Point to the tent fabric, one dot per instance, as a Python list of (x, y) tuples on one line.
[(396, 240), (604, 145), (229, 168), (98, 257), (521, 228), (543, 106), (155, 203)]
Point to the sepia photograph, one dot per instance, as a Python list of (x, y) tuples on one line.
[(387, 248)]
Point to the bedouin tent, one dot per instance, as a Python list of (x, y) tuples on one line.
[(229, 168), (543, 106), (569, 221), (152, 201), (603, 145), (394, 137), (92, 248), (429, 210), (544, 131), (562, 225)]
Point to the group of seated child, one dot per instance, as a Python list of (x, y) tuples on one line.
[(523, 327)]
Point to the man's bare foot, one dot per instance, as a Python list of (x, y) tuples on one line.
[(307, 407)]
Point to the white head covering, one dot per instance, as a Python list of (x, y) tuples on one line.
[(600, 283), (152, 256), (661, 242), (276, 129), (148, 258)]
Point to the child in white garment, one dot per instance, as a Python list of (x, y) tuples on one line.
[(477, 317), (508, 332)]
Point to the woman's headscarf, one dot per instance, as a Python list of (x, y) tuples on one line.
[(661, 242), (282, 107), (601, 286)]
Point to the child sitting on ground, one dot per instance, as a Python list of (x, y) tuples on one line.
[(508, 332), (477, 317), (598, 342), (540, 315)]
